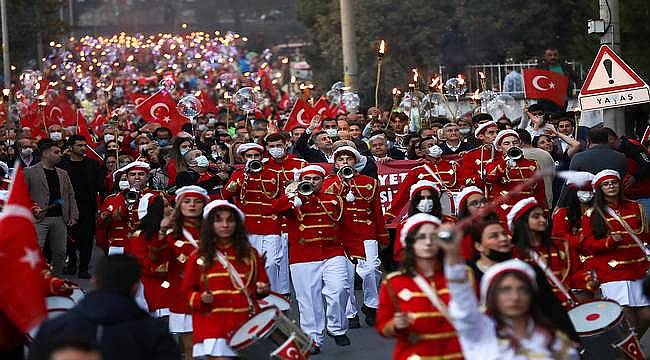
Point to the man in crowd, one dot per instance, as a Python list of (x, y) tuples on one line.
[(599, 155), (323, 144), (453, 144)]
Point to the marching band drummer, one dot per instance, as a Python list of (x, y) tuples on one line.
[(413, 301), (222, 280), (610, 228), (178, 238)]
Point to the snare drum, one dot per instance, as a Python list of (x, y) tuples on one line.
[(264, 333), (274, 299), (56, 305), (77, 294), (600, 324)]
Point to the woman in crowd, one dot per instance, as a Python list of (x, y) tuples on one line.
[(470, 206), (612, 228), (199, 172), (413, 302), (178, 238), (176, 163), (222, 280), (491, 242)]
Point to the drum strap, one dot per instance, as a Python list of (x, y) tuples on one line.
[(432, 295), (234, 276), (627, 228)]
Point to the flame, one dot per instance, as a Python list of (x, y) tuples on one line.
[(475, 96), (415, 75), (481, 74), (434, 81), (382, 47), (461, 79)]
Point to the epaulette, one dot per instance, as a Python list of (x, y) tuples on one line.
[(136, 233), (589, 211), (393, 274)]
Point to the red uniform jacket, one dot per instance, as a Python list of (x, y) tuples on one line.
[(229, 310), (313, 227), (617, 256), (447, 170), (119, 230), (474, 167), (503, 179), (254, 193), (154, 275), (558, 259), (429, 335), (285, 169), (362, 218), (580, 273)]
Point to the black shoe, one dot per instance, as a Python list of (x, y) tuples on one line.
[(84, 275), (315, 350), (340, 340), (371, 315), (70, 270), (353, 323)]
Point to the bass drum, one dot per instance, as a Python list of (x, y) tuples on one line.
[(604, 331)]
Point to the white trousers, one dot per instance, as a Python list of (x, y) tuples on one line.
[(314, 280), (368, 271), (270, 247), (283, 279)]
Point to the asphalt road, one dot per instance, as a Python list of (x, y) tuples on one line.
[(366, 343)]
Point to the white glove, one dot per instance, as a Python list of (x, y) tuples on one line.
[(296, 202), (349, 197)]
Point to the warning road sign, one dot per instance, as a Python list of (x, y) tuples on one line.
[(611, 83)]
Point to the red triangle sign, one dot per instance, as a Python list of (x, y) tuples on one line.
[(610, 73)]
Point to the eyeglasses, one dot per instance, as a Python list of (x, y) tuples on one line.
[(476, 203), (610, 184)]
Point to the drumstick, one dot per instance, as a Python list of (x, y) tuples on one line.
[(549, 274)]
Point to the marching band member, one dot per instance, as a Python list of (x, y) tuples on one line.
[(118, 212), (253, 189), (475, 161), (413, 303), (505, 172), (612, 228), (285, 165), (447, 176), (491, 242), (531, 233), (363, 230), (316, 256), (152, 208), (178, 238), (424, 199), (222, 280), (470, 202)]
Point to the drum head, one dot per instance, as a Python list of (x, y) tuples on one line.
[(276, 300), (255, 328), (595, 315), (55, 303), (77, 294)]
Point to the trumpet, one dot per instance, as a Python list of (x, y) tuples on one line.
[(254, 166), (514, 153), (346, 172), (305, 188)]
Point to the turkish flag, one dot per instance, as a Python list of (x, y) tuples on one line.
[(630, 347), (59, 112), (82, 129), (325, 109), (288, 351), (161, 108), (137, 98), (30, 117), (300, 115), (98, 124), (546, 85), (208, 104), (21, 290)]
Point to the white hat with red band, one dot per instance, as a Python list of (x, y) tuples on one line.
[(417, 220), (221, 204), (133, 166), (249, 146), (502, 134), (462, 196), (192, 191), (519, 209), (347, 149), (604, 175), (482, 127), (514, 265), (309, 169), (423, 185), (579, 180)]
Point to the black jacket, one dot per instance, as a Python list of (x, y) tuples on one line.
[(597, 158), (112, 321), (94, 178), (308, 153)]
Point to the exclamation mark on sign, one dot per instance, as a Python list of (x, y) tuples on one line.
[(608, 67)]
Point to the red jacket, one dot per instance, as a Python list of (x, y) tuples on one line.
[(503, 179), (154, 275), (558, 258), (119, 230), (229, 310), (617, 256), (430, 334), (474, 166), (580, 273)]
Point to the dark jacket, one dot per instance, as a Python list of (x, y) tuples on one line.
[(112, 321), (308, 153), (94, 178), (597, 158)]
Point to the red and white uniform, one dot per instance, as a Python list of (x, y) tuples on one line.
[(502, 179), (558, 258), (154, 275), (120, 229), (474, 166)]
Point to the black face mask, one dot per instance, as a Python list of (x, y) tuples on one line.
[(499, 256)]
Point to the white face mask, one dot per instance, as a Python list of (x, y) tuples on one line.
[(56, 136), (26, 152), (464, 131), (202, 127), (584, 196), (123, 185), (435, 151), (332, 132), (184, 151), (277, 153), (425, 205), (202, 161), (109, 137)]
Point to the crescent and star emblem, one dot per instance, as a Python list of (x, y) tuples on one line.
[(59, 118), (537, 85), (155, 107)]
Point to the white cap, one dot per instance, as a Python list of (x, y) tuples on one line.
[(136, 165), (417, 220), (519, 209), (423, 184), (502, 134), (505, 267), (484, 126), (603, 175), (249, 146), (222, 203), (192, 190), (577, 179), (309, 169), (462, 196), (348, 149)]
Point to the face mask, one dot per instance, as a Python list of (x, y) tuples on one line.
[(216, 156), (585, 196), (56, 136), (212, 120), (499, 256), (202, 161), (120, 138), (202, 127), (26, 152), (425, 205), (109, 137), (331, 132), (123, 184), (184, 151), (464, 131), (10, 142), (163, 142), (435, 151), (276, 153)]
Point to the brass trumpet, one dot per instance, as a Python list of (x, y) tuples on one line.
[(254, 166), (514, 153), (305, 188), (346, 172)]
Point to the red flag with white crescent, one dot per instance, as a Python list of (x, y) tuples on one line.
[(546, 85), (300, 115), (630, 346), (288, 351), (60, 112), (161, 108), (82, 129)]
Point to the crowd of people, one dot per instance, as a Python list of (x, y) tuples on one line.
[(204, 222)]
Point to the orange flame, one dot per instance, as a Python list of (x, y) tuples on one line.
[(461, 79), (382, 47), (415, 76), (481, 74), (434, 81), (475, 96)]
